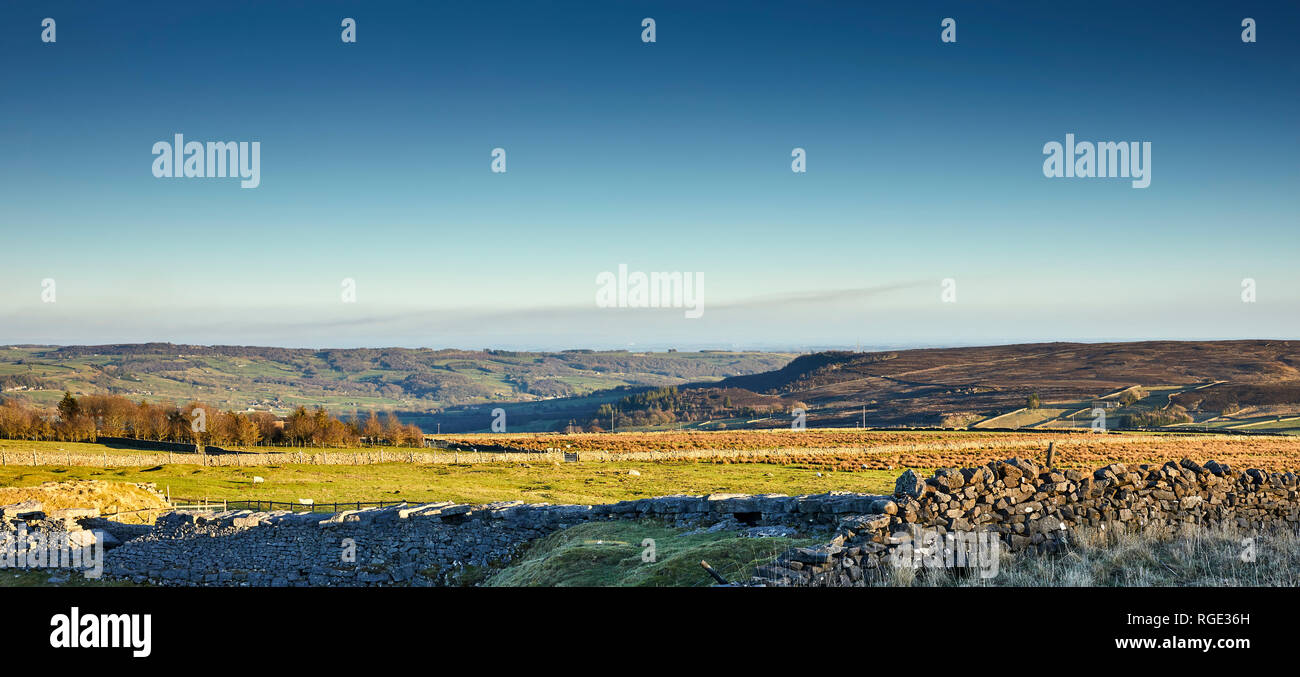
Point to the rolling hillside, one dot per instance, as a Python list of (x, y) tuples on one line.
[(415, 380), (927, 387), (1250, 385), (958, 387)]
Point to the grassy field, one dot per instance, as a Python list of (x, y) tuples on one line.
[(611, 554), (582, 483), (666, 463), (1024, 418), (16, 451)]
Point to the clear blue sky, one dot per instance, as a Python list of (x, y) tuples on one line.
[(924, 163)]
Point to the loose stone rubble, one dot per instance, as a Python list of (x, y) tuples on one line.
[(69, 538), (432, 544)]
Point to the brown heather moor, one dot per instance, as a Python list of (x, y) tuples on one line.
[(856, 449)]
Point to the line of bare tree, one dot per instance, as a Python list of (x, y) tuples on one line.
[(88, 417)]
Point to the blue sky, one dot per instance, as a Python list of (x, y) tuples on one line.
[(924, 163)]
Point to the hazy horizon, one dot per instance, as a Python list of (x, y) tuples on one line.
[(765, 348)]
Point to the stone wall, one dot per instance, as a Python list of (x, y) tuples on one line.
[(1026, 506), (157, 445), (1029, 507)]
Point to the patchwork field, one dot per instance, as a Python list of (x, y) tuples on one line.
[(414, 381)]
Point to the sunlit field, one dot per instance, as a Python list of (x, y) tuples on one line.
[(612, 467)]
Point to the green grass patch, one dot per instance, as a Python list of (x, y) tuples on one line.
[(610, 554), (580, 483)]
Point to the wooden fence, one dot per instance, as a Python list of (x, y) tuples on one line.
[(203, 505)]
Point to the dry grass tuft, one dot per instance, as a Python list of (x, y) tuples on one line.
[(1191, 557)]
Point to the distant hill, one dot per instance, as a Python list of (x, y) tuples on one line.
[(1251, 385), (415, 380), (922, 387), (961, 386)]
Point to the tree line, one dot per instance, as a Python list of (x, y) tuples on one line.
[(89, 417), (667, 405)]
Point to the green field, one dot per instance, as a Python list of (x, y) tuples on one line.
[(579, 483), (1025, 418), (611, 554), (17, 450), (1288, 425)]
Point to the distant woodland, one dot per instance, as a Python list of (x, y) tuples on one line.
[(86, 418)]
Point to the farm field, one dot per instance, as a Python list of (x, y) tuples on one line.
[(725, 441), (785, 462), (1289, 425), (581, 483), (1023, 418)]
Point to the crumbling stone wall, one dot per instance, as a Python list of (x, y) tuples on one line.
[(1030, 507), (433, 544), (1027, 506)]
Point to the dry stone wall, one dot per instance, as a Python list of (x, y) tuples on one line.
[(1030, 507)]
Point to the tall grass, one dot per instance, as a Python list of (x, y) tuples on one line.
[(1187, 557)]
